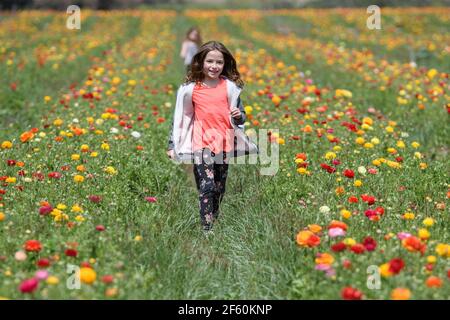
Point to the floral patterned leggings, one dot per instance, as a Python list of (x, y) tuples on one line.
[(210, 171)]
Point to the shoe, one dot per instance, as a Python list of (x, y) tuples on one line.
[(207, 230)]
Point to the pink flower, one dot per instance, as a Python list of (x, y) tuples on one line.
[(100, 228), (150, 199), (95, 198), (336, 232), (403, 235), (372, 171), (41, 274), (29, 285), (45, 210)]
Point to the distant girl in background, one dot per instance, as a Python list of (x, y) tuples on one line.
[(190, 46)]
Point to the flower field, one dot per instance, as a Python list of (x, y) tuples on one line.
[(358, 208)]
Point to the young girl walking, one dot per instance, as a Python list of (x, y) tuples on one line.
[(208, 125), (190, 46)]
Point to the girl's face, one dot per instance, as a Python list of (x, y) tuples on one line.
[(193, 35), (213, 65)]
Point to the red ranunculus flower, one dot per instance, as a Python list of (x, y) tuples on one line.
[(33, 246), (349, 173), (338, 247), (71, 252), (396, 265), (358, 248), (43, 263), (350, 293), (369, 243)]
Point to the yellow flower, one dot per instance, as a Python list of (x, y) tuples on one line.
[(409, 216), (138, 238), (357, 183), (248, 109), (11, 180), (79, 218), (58, 122), (110, 170), (417, 155), (132, 83), (75, 157), (389, 129), (375, 140), (337, 148), (115, 80), (424, 234), (81, 168), (84, 147), (7, 145), (423, 165), (87, 275), (2, 216), (61, 206), (376, 162), (415, 144), (368, 145), (52, 280), (47, 99), (78, 178), (384, 270), (349, 241), (330, 155), (94, 154), (105, 146), (346, 214), (302, 170), (431, 73), (400, 144), (431, 259), (76, 208), (428, 222), (360, 140), (343, 93), (443, 250)]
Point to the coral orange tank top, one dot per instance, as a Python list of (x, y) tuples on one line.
[(212, 127)]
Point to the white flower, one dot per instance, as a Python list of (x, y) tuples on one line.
[(114, 130), (27, 179), (136, 134), (362, 170), (324, 209), (75, 120)]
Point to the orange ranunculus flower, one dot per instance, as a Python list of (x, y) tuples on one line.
[(301, 156), (414, 244), (26, 136), (400, 294), (337, 224), (306, 238), (433, 282), (33, 246), (324, 258), (314, 228)]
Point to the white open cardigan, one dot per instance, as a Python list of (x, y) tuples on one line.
[(183, 125)]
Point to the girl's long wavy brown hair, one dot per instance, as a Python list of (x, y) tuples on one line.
[(230, 71)]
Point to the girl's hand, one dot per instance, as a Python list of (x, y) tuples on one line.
[(170, 154), (236, 113)]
